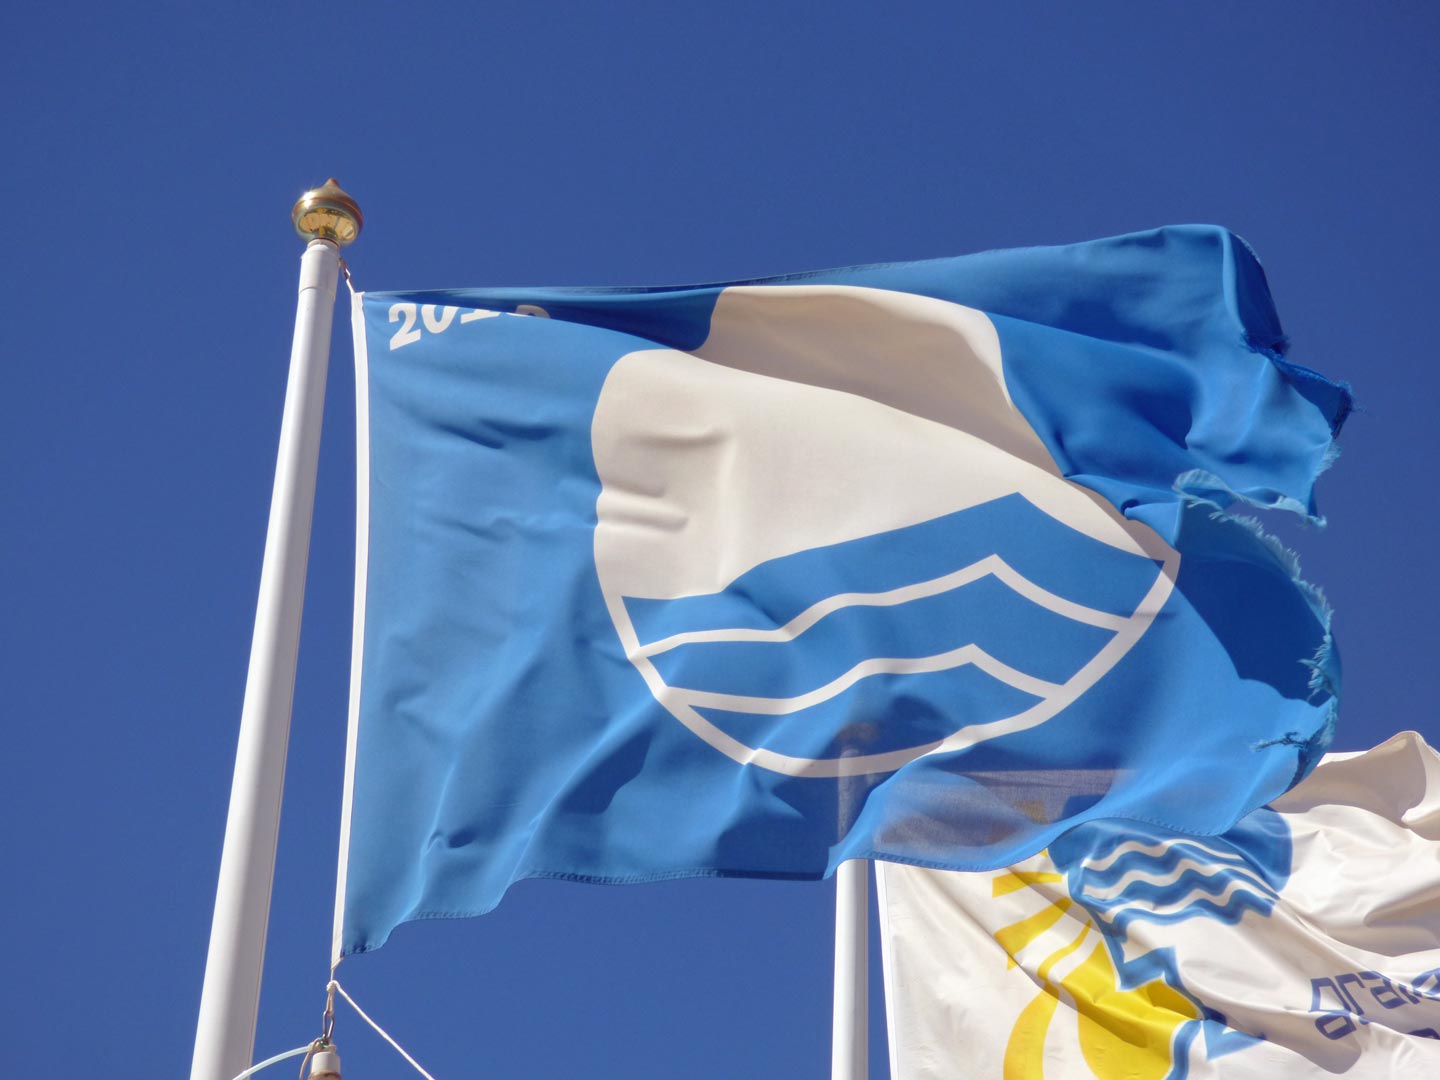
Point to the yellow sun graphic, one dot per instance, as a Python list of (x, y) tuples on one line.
[(1123, 1034)]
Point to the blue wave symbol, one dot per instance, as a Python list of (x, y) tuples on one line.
[(913, 633), (1125, 872)]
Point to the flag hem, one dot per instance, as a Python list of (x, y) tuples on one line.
[(887, 966), (357, 640)]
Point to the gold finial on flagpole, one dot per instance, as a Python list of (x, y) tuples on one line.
[(328, 213)]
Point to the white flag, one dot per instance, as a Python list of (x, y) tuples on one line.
[(1304, 942)]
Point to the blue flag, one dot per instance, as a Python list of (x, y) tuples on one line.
[(924, 562)]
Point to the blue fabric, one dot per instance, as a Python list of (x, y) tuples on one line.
[(504, 734)]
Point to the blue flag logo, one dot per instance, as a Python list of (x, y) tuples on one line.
[(988, 618)]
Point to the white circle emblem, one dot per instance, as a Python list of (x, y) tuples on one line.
[(815, 416)]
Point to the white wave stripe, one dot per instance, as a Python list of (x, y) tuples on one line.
[(960, 739), (770, 706), (1148, 876), (1159, 847), (990, 566)]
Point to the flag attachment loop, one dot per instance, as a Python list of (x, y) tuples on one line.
[(327, 1020)]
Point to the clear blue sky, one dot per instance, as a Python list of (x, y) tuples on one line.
[(151, 155)]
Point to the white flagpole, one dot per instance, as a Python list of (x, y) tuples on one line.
[(850, 1031), (230, 999)]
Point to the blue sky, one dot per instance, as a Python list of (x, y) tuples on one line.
[(152, 155)]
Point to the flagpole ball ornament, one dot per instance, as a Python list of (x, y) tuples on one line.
[(328, 213)]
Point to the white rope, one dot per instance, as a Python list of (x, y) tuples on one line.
[(253, 1069), (383, 1033)]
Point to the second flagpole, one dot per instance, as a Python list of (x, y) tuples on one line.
[(229, 1000), (850, 1033)]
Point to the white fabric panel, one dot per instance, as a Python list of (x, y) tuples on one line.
[(1008, 975)]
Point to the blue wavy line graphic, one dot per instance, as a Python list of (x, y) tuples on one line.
[(1166, 877), (966, 620)]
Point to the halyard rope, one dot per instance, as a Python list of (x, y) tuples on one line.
[(383, 1033), (310, 1047)]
